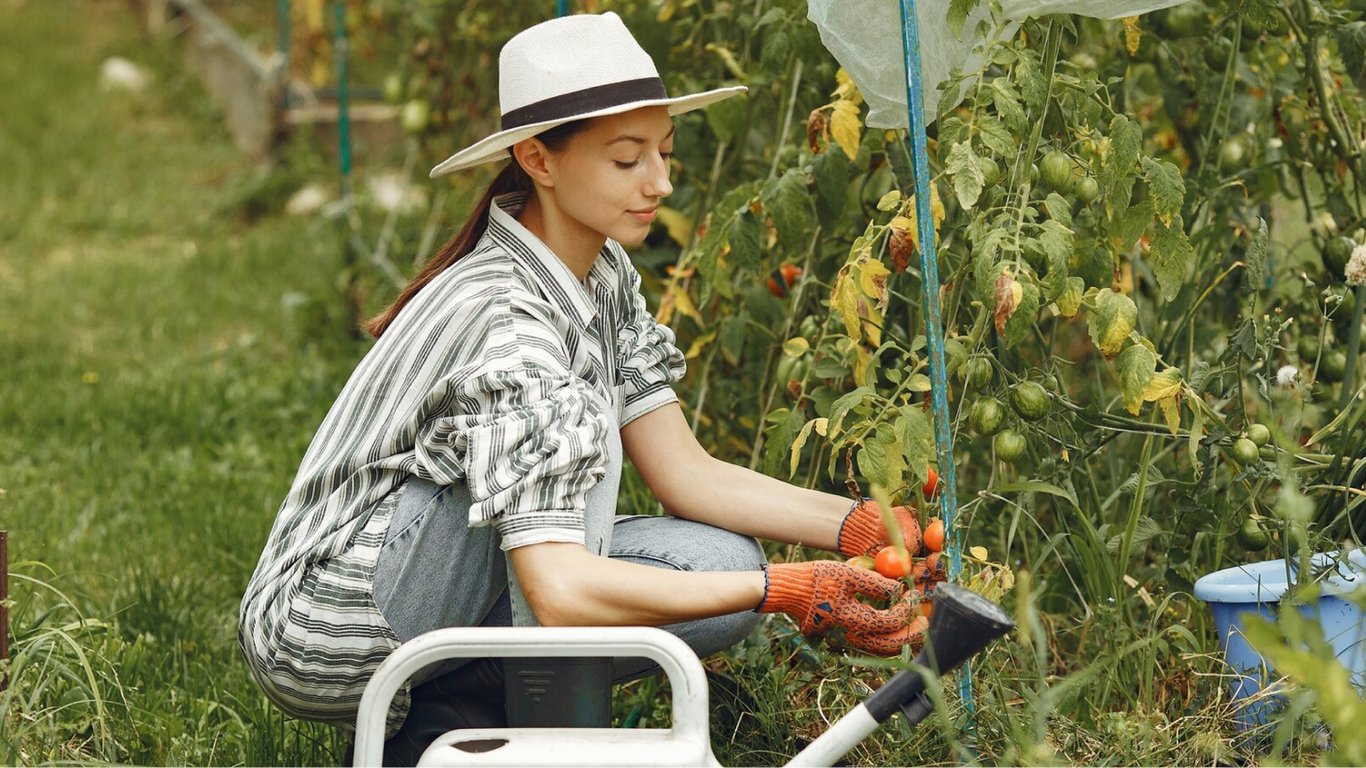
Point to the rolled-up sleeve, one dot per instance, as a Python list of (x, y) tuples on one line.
[(527, 436), (651, 362)]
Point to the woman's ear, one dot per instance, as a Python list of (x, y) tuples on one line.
[(534, 157)]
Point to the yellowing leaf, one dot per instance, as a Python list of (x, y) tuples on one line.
[(676, 224), (846, 127), (1008, 294), (1111, 321), (700, 343), (1132, 34), (1164, 385), (796, 346), (1171, 409), (873, 281), (727, 58), (845, 87), (978, 552)]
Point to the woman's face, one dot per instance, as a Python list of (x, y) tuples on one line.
[(612, 175)]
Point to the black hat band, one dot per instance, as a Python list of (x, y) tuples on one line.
[(585, 101)]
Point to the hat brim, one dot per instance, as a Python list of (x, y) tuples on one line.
[(492, 147)]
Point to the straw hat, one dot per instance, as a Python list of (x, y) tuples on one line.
[(572, 68)]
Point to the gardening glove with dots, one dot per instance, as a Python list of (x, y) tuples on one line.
[(864, 531), (823, 596)]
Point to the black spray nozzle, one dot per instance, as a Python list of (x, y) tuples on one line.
[(962, 624)]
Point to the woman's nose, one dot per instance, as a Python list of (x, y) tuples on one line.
[(658, 185)]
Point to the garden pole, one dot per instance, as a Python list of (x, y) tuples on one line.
[(562, 7), (344, 160), (929, 291)]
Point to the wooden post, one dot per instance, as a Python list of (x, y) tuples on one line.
[(4, 609)]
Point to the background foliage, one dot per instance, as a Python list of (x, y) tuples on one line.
[(1141, 227)]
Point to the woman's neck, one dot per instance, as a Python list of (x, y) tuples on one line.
[(576, 245)]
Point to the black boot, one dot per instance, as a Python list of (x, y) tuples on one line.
[(469, 697)]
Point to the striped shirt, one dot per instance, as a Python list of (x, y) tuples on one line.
[(503, 373)]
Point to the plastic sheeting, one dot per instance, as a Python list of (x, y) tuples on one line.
[(865, 38)]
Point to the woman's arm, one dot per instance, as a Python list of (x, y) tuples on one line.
[(566, 585), (695, 486)]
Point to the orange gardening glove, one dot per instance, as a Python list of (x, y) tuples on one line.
[(927, 572), (864, 532), (822, 596)]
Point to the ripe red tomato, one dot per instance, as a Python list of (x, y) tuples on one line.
[(893, 562), (931, 485), (934, 535), (784, 277)]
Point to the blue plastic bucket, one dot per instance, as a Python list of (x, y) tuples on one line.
[(1257, 588)]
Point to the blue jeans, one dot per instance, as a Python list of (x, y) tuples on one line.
[(435, 571)]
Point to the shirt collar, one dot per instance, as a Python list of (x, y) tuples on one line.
[(557, 280)]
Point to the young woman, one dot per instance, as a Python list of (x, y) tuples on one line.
[(467, 473)]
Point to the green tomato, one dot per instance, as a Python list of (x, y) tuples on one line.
[(393, 88), (1216, 53), (1088, 189), (1010, 445), (1259, 434), (1333, 365), (991, 172), (1308, 347), (977, 373), (1251, 536), (986, 416), (1055, 170), (1186, 20), (1030, 400), (1233, 154), (415, 117), (1245, 452), (1336, 253)]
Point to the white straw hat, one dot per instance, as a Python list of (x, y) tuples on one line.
[(572, 68)]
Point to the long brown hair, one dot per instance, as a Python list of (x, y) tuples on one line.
[(511, 179)]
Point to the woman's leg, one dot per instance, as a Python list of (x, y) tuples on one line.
[(670, 542), (434, 571)]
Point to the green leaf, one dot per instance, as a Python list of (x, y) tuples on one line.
[(1117, 170), (1036, 486), (780, 436), (831, 171), (915, 433), (1165, 187), (966, 173), (1033, 84), (1260, 12), (745, 239), (1131, 225), (1256, 257), (958, 14), (1021, 322), (1007, 102), (1136, 366), (995, 136), (1111, 321), (1056, 240), (1352, 46), (843, 405), (1059, 210), (1171, 257), (785, 199)]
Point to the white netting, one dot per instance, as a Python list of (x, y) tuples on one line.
[(865, 38)]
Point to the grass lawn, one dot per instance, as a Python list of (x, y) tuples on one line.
[(164, 365)]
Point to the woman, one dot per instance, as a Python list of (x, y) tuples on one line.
[(467, 474)]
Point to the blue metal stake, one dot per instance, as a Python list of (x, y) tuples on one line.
[(929, 291), (562, 7)]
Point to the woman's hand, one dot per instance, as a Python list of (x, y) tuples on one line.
[(823, 595), (864, 530)]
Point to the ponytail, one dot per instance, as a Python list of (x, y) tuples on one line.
[(511, 179)]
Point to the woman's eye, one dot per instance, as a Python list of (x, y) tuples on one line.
[(625, 166)]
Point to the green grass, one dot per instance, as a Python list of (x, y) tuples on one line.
[(165, 362), (159, 387)]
